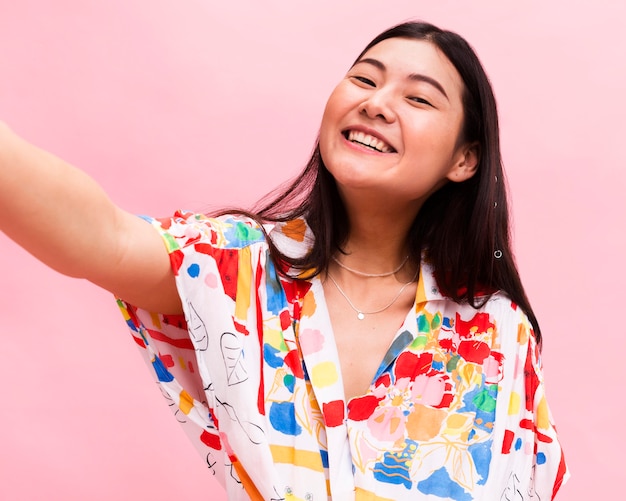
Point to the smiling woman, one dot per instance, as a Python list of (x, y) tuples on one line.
[(394, 97), (362, 335)]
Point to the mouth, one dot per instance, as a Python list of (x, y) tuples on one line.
[(368, 141)]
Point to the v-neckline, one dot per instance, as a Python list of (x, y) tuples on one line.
[(320, 321)]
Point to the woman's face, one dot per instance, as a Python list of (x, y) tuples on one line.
[(391, 126)]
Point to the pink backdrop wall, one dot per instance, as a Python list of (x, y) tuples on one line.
[(196, 103)]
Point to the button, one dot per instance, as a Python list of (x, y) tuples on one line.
[(308, 496)]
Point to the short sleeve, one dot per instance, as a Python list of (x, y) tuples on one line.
[(210, 258), (529, 456)]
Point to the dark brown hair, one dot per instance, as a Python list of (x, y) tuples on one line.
[(463, 228)]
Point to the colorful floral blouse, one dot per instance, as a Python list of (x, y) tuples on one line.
[(456, 410)]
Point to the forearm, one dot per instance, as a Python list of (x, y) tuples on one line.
[(53, 210), (62, 216)]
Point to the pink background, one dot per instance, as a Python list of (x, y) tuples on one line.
[(195, 104)]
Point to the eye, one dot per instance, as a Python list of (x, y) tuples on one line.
[(420, 100), (365, 81)]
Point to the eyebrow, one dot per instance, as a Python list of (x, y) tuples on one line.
[(418, 77)]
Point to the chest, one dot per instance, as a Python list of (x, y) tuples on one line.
[(362, 343)]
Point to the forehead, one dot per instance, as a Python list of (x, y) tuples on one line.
[(403, 57)]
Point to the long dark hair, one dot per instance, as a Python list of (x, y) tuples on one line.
[(463, 228)]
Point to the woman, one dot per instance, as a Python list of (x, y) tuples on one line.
[(364, 334)]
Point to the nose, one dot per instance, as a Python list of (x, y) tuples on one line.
[(378, 105)]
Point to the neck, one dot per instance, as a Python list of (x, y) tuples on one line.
[(377, 242)]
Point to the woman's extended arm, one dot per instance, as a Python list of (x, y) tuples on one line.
[(62, 217)]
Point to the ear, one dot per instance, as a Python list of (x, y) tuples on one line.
[(465, 163)]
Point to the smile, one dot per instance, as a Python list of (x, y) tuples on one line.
[(369, 141)]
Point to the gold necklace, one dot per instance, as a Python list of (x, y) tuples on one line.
[(360, 314)]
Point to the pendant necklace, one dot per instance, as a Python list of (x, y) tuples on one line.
[(360, 314)]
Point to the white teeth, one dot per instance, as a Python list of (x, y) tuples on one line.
[(367, 140)]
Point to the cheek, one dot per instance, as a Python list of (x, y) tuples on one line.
[(332, 110), (324, 136), (436, 138), (330, 125), (341, 101)]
